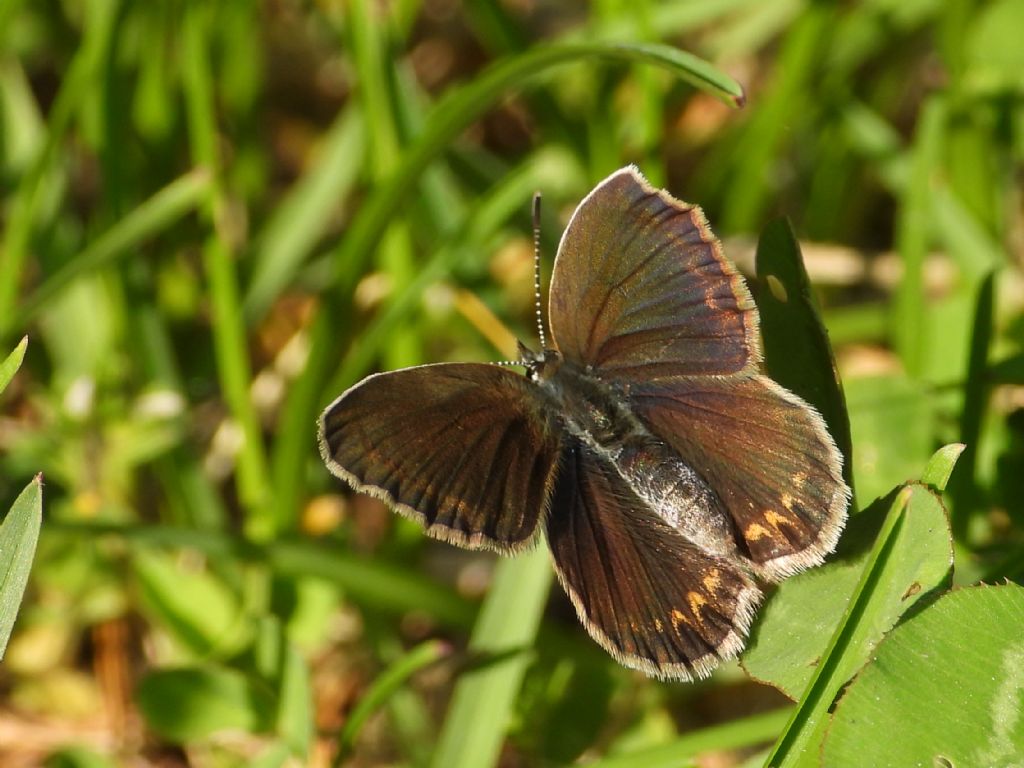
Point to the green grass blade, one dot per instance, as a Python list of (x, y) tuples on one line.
[(12, 363), (295, 715), (910, 330), (375, 73), (812, 710), (383, 687), (481, 704), (965, 487), (460, 108), (785, 103), (301, 217), (227, 322), (295, 433), (100, 17), (19, 533), (163, 209)]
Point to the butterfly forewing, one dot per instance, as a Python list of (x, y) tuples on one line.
[(466, 449), (640, 288), (766, 454), (651, 598)]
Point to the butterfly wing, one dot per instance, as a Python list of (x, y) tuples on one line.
[(767, 455), (640, 288), (467, 450), (646, 594)]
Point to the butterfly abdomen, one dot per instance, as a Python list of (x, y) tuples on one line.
[(669, 487)]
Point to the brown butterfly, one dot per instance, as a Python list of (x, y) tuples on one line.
[(667, 470)]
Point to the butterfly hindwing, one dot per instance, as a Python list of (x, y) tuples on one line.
[(465, 449), (651, 598), (640, 288), (767, 456)]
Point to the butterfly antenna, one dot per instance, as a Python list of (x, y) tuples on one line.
[(536, 269)]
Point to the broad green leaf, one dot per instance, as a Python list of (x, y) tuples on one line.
[(12, 363), (912, 557), (794, 628), (946, 688), (196, 607), (19, 533), (192, 703), (796, 347)]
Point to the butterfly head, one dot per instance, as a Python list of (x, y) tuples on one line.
[(542, 365)]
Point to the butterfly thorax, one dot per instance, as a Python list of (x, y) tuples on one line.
[(597, 412)]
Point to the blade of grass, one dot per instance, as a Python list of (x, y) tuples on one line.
[(786, 102), (12, 363), (19, 533), (295, 716), (975, 251), (157, 213), (461, 107), (376, 80), (383, 687), (812, 708), (482, 702), (227, 324), (191, 494), (964, 489), (489, 213), (941, 466), (909, 327), (295, 439), (300, 218), (21, 119), (100, 18)]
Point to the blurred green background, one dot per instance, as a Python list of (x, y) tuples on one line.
[(218, 215)]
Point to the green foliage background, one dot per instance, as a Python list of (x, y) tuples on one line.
[(218, 215)]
